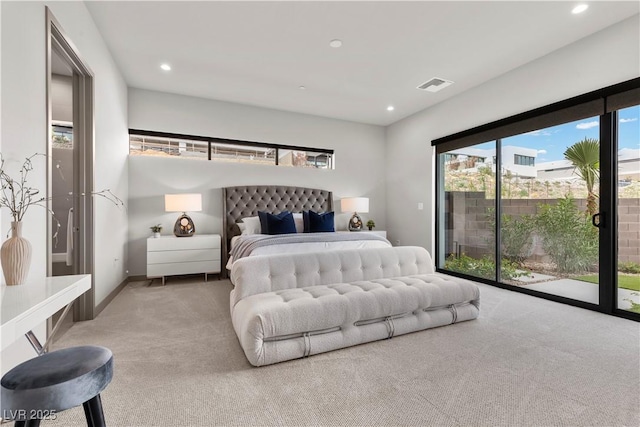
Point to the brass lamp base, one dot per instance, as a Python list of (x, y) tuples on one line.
[(184, 226), (355, 223)]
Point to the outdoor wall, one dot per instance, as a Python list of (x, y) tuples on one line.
[(602, 59), (629, 230), (359, 161), (23, 133), (470, 225)]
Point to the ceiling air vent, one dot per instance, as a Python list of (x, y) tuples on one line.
[(435, 84)]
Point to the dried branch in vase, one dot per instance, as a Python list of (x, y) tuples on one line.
[(17, 196)]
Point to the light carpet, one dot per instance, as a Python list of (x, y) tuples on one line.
[(524, 361)]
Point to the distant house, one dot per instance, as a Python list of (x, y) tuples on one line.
[(520, 161), (560, 170)]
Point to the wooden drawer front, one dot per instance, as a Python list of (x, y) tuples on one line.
[(182, 243), (158, 270), (163, 257)]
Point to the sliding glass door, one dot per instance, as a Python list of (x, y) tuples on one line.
[(628, 241), (549, 196), (547, 202), (468, 204)]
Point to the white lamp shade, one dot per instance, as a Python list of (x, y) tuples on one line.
[(355, 204), (183, 202)]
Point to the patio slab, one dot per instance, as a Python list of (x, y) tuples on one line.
[(582, 291), (534, 277)]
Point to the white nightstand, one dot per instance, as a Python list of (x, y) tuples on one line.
[(171, 255)]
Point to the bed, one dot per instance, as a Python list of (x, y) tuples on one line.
[(292, 303), (246, 201)]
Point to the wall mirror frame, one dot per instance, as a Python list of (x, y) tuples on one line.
[(58, 44)]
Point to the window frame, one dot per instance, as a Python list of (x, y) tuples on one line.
[(528, 160), (318, 152), (612, 98)]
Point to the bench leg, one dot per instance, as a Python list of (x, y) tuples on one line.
[(93, 412)]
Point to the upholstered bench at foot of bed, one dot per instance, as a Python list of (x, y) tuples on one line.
[(292, 323)]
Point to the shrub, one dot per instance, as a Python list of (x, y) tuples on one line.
[(629, 267), (635, 307), (483, 267), (568, 236), (516, 235)]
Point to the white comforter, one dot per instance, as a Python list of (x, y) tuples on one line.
[(305, 247)]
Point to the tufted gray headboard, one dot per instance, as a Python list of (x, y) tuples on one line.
[(247, 200)]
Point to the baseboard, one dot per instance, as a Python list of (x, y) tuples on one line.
[(137, 278), (105, 302)]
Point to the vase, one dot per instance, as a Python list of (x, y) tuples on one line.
[(15, 256), (156, 235)]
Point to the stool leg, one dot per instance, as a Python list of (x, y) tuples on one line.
[(93, 412), (33, 423), (87, 413), (19, 424)]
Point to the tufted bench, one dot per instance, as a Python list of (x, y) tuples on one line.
[(285, 307)]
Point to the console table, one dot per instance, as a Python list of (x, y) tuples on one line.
[(28, 305)]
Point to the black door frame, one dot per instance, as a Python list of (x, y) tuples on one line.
[(608, 231)]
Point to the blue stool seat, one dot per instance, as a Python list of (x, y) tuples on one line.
[(57, 381)]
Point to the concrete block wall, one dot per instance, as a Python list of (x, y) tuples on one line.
[(470, 231), (629, 230)]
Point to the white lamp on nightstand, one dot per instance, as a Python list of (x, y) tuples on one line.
[(184, 226), (355, 205)]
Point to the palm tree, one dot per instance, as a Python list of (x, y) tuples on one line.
[(585, 156)]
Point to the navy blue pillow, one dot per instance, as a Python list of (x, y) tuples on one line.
[(318, 222), (277, 224)]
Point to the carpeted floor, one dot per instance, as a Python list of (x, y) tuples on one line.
[(525, 361)]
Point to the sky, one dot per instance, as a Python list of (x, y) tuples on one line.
[(552, 142)]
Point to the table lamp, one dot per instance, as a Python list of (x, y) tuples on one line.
[(184, 226), (355, 205)]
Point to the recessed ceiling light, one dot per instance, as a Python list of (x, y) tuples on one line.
[(390, 108), (335, 43), (166, 67), (302, 87), (580, 8)]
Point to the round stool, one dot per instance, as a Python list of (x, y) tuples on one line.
[(43, 386)]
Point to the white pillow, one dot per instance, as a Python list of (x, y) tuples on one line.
[(299, 222), (251, 225)]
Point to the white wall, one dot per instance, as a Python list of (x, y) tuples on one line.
[(359, 152), (24, 129), (605, 58)]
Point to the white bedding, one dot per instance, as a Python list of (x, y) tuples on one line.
[(306, 247)]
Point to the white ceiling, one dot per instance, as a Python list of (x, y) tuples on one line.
[(259, 53)]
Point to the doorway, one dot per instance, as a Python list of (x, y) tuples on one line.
[(70, 165)]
